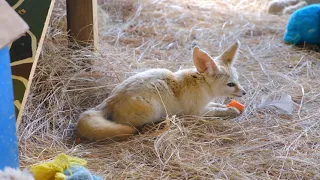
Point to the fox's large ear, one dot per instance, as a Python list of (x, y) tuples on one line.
[(230, 54), (204, 62)]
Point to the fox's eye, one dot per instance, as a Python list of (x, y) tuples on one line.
[(231, 84)]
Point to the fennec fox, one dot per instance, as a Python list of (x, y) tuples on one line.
[(149, 96)]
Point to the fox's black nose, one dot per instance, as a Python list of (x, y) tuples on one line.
[(244, 93)]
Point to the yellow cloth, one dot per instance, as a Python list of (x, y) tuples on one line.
[(53, 170)]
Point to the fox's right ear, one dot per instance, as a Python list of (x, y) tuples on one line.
[(229, 56), (204, 61)]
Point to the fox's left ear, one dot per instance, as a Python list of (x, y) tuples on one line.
[(229, 56), (204, 62)]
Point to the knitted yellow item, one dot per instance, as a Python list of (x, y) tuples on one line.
[(53, 170)]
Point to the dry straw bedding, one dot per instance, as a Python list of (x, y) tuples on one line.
[(138, 35)]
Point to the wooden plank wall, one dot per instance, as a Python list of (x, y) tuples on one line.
[(83, 21)]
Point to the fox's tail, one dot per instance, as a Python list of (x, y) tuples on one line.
[(93, 126)]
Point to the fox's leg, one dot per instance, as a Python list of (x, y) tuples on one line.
[(217, 105), (220, 112)]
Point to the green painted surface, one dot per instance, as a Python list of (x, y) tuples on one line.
[(19, 89), (23, 50), (35, 14)]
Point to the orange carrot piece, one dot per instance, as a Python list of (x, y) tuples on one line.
[(78, 140), (236, 105)]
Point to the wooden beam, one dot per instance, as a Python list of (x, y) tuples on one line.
[(82, 21)]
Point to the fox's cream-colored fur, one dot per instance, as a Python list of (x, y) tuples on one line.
[(149, 96)]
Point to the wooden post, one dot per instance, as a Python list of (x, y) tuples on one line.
[(82, 21)]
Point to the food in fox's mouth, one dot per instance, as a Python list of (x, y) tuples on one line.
[(236, 105)]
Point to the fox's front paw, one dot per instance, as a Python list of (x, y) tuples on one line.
[(216, 105), (222, 112), (233, 112)]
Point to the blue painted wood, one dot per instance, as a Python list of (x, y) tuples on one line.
[(9, 156)]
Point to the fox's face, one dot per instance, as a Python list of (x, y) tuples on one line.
[(220, 73), (228, 83)]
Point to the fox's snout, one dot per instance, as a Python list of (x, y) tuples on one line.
[(240, 92), (243, 92)]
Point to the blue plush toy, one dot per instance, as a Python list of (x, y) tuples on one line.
[(80, 173), (304, 26)]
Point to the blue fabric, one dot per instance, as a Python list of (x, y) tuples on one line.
[(304, 26), (8, 140), (80, 173)]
